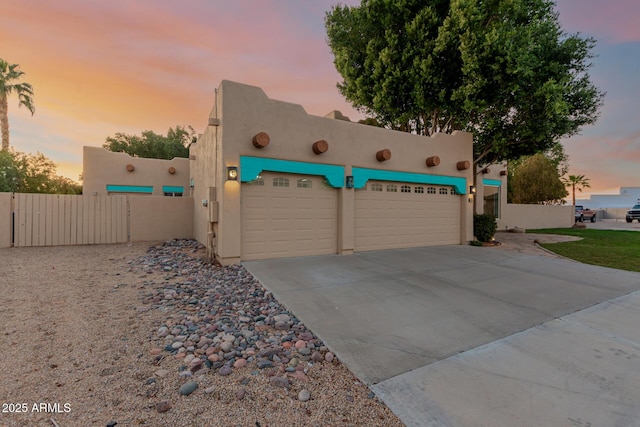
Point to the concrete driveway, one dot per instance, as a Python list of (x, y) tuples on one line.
[(466, 336)]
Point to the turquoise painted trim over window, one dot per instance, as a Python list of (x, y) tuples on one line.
[(492, 182), (250, 168), (172, 189), (130, 188), (362, 175)]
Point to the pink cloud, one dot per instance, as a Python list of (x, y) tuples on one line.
[(608, 161), (613, 21)]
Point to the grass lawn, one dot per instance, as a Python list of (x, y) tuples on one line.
[(608, 248)]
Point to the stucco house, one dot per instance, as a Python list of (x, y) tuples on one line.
[(108, 173), (268, 180)]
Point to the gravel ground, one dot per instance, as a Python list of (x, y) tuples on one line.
[(132, 335)]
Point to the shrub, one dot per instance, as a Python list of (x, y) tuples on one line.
[(484, 227)]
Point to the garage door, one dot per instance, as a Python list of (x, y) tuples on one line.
[(401, 215), (286, 215)]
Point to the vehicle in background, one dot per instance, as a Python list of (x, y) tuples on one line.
[(633, 213), (583, 213)]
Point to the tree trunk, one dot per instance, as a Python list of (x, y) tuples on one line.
[(4, 122)]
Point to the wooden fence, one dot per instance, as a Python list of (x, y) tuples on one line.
[(55, 219)]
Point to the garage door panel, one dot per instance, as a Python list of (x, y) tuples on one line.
[(288, 221), (387, 220)]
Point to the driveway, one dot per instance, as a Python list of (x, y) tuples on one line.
[(614, 224), (467, 336)]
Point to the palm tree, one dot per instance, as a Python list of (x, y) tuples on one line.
[(9, 74), (576, 182)]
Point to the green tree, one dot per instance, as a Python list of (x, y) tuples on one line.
[(536, 180), (503, 70), (151, 145), (9, 76), (576, 182), (10, 173), (29, 173)]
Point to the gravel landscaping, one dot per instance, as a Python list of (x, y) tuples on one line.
[(132, 335)]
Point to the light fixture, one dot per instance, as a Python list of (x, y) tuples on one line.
[(472, 189), (349, 183), (232, 173)]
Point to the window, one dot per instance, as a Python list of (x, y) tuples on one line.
[(492, 200), (431, 190), (376, 187), (405, 189), (444, 191), (453, 192), (172, 190), (392, 188), (280, 182), (139, 189), (418, 190), (258, 181), (304, 183)]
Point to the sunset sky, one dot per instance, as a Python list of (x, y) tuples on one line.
[(101, 67)]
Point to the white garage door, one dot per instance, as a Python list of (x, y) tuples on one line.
[(286, 215), (401, 215)]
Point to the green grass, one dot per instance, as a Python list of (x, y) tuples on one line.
[(608, 248)]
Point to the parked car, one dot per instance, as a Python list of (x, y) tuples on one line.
[(583, 213), (633, 213)]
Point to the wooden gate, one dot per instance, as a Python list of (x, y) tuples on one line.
[(56, 219)]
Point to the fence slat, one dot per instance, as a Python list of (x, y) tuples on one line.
[(41, 219), (20, 221)]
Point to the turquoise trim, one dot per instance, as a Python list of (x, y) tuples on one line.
[(250, 168), (361, 176), (492, 182), (130, 188), (172, 189)]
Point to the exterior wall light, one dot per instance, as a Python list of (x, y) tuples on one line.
[(349, 183), (472, 189), (232, 173)]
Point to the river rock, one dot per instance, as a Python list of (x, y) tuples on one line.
[(187, 388)]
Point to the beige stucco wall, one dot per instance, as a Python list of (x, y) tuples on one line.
[(160, 218), (243, 111), (536, 216), (613, 213), (5, 219), (102, 168)]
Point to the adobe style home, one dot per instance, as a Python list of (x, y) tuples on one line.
[(308, 185), (268, 180)]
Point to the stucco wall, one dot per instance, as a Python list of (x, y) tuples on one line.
[(243, 111), (102, 168), (5, 219), (160, 218), (614, 213), (536, 216), (203, 173)]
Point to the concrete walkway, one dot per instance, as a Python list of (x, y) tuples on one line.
[(438, 332)]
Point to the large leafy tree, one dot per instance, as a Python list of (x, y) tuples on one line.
[(10, 75), (503, 70), (536, 180), (151, 145)]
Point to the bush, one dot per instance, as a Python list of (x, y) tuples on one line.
[(484, 227)]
